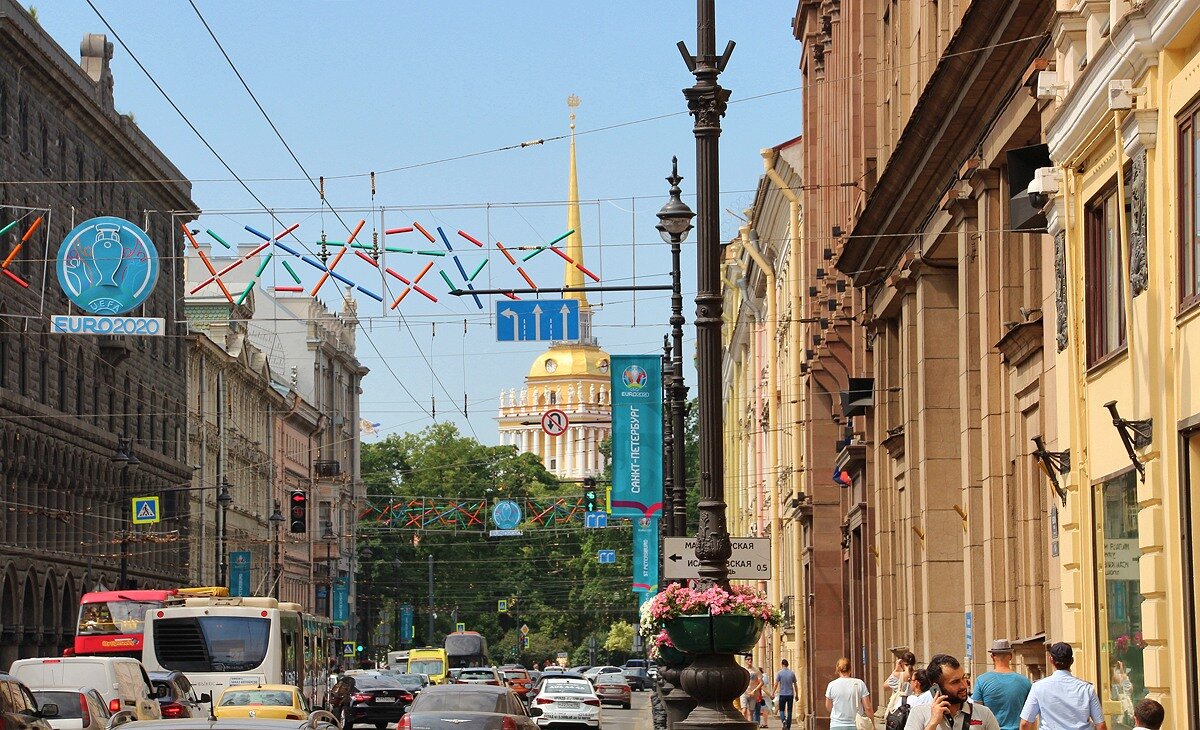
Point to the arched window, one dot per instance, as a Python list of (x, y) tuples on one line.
[(3, 110), (23, 118)]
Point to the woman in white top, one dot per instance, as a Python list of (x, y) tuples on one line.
[(845, 697)]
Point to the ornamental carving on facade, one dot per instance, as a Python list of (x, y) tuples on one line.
[(1060, 287), (1138, 266)]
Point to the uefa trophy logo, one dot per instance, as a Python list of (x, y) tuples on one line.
[(634, 377), (107, 266)]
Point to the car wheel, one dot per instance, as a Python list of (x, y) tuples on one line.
[(627, 705)]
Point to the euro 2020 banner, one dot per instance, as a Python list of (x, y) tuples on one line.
[(637, 436)]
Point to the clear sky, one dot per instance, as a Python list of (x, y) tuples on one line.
[(400, 88)]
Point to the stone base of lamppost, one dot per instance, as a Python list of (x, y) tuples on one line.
[(678, 702), (713, 681)]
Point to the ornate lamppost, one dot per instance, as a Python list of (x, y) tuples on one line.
[(125, 459), (224, 499), (276, 519), (674, 224)]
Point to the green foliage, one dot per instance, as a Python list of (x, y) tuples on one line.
[(620, 638)]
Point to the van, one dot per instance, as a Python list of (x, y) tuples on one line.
[(121, 681), (428, 661)]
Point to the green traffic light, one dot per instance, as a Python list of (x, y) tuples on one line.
[(359, 647)]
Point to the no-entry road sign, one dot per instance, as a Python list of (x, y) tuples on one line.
[(751, 558)]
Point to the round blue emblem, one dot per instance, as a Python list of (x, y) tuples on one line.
[(107, 266), (506, 514)]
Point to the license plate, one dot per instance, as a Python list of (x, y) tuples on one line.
[(385, 699), (569, 705)]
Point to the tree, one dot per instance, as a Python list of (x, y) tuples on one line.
[(620, 638)]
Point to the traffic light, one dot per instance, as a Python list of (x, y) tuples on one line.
[(299, 507), (589, 493)]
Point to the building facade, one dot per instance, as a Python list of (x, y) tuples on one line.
[(1121, 117), (66, 155)]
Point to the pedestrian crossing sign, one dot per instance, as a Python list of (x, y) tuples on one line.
[(145, 510)]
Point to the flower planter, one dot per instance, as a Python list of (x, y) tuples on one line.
[(705, 634), (669, 656)]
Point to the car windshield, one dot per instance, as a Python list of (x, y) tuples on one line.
[(115, 617), (69, 703), (375, 681), (425, 666), (408, 680), (459, 702), (244, 697), (610, 679), (515, 674), (570, 688), (476, 674)]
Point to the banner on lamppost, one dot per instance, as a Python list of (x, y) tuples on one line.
[(341, 601), (406, 623), (239, 573), (637, 438), (645, 555)]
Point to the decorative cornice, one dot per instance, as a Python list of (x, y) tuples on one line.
[(1139, 129)]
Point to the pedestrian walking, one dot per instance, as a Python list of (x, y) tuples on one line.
[(900, 678), (339, 697), (753, 692), (952, 703), (764, 698), (846, 698), (1003, 690), (1062, 701), (1148, 715), (785, 693)]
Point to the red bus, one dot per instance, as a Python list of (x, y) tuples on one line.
[(111, 622)]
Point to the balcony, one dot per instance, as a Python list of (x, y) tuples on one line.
[(328, 469)]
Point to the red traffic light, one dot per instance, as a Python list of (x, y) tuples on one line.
[(299, 521)]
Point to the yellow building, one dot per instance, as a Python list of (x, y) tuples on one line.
[(570, 376), (1122, 111)]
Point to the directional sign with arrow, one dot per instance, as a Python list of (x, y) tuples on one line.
[(537, 320), (751, 558)]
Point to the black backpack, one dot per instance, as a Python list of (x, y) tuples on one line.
[(898, 718)]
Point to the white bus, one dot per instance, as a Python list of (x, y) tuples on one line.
[(221, 642)]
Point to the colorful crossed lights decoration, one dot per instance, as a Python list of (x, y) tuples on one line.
[(17, 249), (328, 271)]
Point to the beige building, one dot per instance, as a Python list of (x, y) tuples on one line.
[(571, 376)]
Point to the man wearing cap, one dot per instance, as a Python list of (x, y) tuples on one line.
[(1002, 690), (1062, 701)]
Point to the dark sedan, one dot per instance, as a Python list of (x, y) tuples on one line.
[(467, 707), (376, 701)]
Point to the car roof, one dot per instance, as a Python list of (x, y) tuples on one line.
[(80, 690), (271, 687), (563, 675), (445, 688)]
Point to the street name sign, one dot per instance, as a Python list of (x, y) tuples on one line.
[(751, 558), (537, 320), (555, 422)]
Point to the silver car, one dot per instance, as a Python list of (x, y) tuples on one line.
[(79, 708)]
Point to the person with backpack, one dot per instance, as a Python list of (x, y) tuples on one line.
[(918, 694), (1002, 689), (339, 697)]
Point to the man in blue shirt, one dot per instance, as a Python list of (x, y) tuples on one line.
[(1062, 701), (785, 693), (1002, 690)]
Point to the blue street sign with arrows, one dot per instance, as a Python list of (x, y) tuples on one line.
[(606, 557), (537, 320)]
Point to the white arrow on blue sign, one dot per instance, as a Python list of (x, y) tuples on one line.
[(537, 320), (595, 520), (606, 556)]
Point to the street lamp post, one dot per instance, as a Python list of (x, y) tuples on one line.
[(224, 499), (124, 458), (329, 538), (713, 680), (668, 522), (674, 224), (276, 519)]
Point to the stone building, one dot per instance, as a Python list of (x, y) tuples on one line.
[(1121, 106), (66, 155)]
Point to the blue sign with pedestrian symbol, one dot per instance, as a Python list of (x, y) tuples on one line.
[(537, 320), (145, 510)]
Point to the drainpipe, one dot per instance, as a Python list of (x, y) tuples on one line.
[(795, 279), (750, 243)]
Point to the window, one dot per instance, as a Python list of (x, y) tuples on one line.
[(1189, 205), (1122, 677), (1105, 294), (3, 110)]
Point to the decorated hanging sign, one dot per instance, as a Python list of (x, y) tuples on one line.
[(637, 435), (107, 266), (645, 554)]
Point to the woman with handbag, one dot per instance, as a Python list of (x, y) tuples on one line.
[(848, 701)]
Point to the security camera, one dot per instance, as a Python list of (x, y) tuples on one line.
[(1043, 186)]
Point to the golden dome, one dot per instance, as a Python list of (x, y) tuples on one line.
[(570, 361)]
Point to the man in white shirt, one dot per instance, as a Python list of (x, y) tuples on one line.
[(1148, 715), (952, 706), (1062, 701)]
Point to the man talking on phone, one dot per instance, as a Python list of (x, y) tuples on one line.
[(952, 706)]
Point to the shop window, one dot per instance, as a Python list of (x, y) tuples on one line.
[(1105, 293), (1122, 675)]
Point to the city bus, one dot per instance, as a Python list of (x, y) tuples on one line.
[(223, 642), (110, 622), (466, 649)]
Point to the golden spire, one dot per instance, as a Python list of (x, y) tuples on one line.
[(573, 277)]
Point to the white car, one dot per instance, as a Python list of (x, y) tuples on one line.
[(595, 672), (566, 702)]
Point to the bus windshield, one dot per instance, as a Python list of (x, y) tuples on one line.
[(115, 617), (211, 643), (432, 667)]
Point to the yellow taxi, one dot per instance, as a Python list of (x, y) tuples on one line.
[(263, 701)]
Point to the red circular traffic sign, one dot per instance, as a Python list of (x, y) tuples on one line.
[(555, 422)]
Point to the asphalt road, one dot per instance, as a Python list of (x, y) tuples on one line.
[(636, 718)]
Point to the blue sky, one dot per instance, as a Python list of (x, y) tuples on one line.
[(356, 87)]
